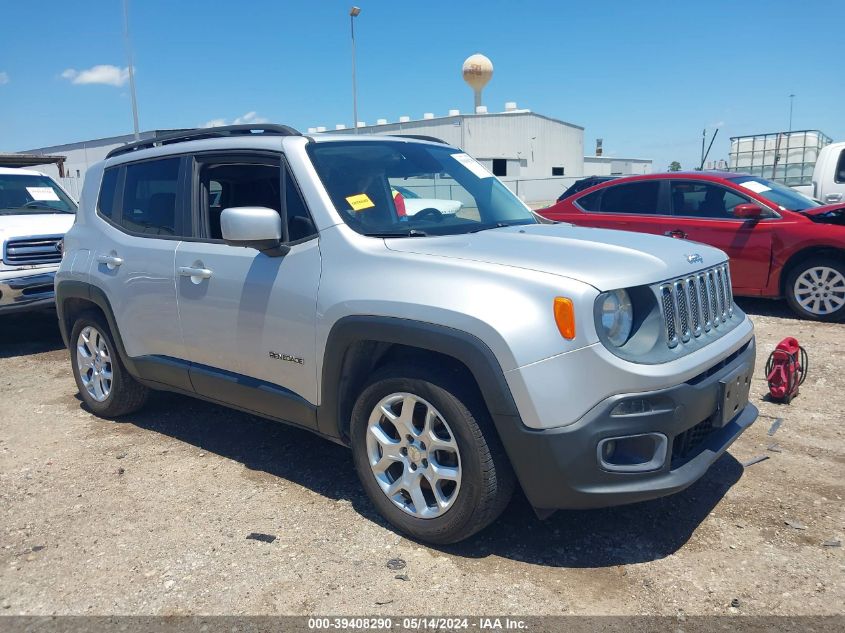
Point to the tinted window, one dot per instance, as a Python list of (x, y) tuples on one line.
[(107, 190), (149, 197), (251, 185), (635, 197), (590, 202), (704, 200), (839, 177), (500, 167), (300, 224), (557, 171)]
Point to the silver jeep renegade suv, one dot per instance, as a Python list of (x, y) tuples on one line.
[(459, 349)]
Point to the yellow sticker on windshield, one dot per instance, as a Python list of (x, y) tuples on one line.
[(360, 201)]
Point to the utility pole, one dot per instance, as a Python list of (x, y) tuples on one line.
[(131, 67), (354, 12)]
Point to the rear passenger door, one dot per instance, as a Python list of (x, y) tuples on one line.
[(639, 206), (145, 217), (249, 324)]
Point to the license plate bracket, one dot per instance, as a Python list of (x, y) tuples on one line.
[(734, 390)]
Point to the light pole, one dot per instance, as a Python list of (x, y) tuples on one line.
[(791, 100), (131, 67), (354, 12)]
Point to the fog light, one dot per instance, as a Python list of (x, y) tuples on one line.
[(633, 453), (632, 407)]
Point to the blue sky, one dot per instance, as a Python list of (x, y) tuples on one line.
[(646, 77)]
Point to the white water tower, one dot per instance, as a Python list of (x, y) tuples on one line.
[(477, 71)]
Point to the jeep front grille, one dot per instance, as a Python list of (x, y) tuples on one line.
[(696, 304), (28, 251)]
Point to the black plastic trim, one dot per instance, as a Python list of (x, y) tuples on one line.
[(558, 468), (463, 347)]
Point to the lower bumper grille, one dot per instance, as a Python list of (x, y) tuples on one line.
[(685, 444)]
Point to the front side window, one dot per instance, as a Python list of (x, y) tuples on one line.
[(149, 197), (446, 192), (704, 200), (32, 194), (251, 184), (779, 195), (635, 197)]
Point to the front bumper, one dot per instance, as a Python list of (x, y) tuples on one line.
[(561, 468), (27, 293)]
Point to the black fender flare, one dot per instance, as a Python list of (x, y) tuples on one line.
[(73, 289), (465, 348)]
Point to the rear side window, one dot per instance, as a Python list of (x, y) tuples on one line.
[(108, 187), (635, 197), (149, 197), (591, 201)]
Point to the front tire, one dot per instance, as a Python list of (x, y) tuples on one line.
[(101, 377), (815, 289), (427, 454)]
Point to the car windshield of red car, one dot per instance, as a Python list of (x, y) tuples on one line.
[(776, 193)]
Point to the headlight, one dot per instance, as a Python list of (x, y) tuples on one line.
[(617, 316)]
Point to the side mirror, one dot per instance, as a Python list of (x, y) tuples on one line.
[(253, 227), (748, 211)]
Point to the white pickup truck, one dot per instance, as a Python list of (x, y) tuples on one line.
[(828, 175), (35, 213)]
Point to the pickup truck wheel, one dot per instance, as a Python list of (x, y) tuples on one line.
[(815, 289), (101, 377), (428, 455)]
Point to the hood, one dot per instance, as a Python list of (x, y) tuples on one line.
[(603, 258), (827, 214), (33, 224)]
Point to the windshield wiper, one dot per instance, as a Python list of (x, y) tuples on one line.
[(39, 207), (496, 225), (408, 233)]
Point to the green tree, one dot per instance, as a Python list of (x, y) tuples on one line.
[(674, 166)]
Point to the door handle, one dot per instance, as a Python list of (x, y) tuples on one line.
[(678, 234), (833, 197), (112, 261), (196, 274)]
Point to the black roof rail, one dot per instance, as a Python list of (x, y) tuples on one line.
[(422, 137), (206, 132)]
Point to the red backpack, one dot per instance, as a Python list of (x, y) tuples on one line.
[(786, 369)]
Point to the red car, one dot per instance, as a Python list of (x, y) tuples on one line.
[(780, 242)]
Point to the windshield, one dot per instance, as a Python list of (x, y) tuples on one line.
[(387, 188), (24, 193), (776, 193)]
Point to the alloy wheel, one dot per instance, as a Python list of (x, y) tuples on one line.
[(820, 290), (93, 360), (413, 455)]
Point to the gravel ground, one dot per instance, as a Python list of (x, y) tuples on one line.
[(150, 515)]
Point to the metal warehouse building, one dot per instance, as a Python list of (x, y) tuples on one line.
[(537, 156)]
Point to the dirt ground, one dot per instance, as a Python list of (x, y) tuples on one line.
[(150, 515)]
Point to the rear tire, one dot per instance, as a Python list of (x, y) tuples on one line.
[(815, 289), (445, 431), (101, 377)]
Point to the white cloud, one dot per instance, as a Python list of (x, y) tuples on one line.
[(246, 119), (4, 78), (101, 74)]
